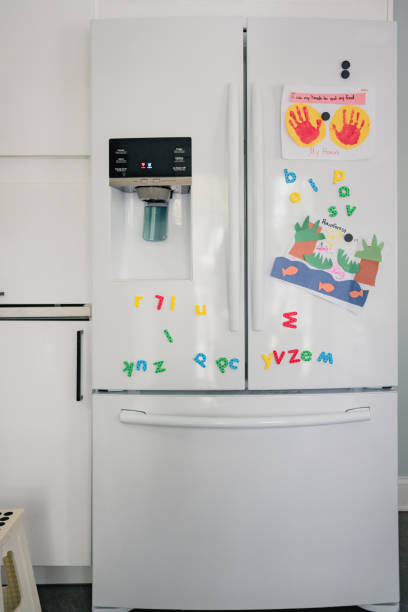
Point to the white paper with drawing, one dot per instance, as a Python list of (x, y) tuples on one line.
[(330, 124)]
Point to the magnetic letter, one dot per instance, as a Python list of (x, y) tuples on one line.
[(160, 301), (326, 357), (290, 177), (313, 185), (222, 363), (291, 320), (344, 191), (166, 333), (293, 358), (203, 310), (232, 363), (128, 367), (339, 175), (159, 368), (267, 360), (306, 355), (137, 300), (278, 359), (350, 210), (173, 302), (200, 358), (332, 211), (141, 364), (295, 197)]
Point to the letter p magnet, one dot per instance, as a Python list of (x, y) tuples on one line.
[(338, 175)]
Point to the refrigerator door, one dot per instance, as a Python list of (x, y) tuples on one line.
[(244, 502), (169, 314), (300, 337)]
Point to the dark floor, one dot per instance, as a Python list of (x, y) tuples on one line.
[(77, 598)]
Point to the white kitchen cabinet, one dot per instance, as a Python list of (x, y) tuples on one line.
[(44, 231), (44, 76), (45, 436)]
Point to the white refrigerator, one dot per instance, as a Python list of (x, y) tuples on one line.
[(244, 314)]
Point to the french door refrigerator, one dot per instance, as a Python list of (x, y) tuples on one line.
[(244, 313)]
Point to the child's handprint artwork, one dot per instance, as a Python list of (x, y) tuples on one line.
[(327, 123), (305, 125), (350, 126)]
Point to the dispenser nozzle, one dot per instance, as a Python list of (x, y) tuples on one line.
[(155, 212)]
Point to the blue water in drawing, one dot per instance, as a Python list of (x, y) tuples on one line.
[(311, 279)]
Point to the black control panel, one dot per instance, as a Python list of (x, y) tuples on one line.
[(149, 157)]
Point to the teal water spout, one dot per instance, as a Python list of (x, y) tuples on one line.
[(156, 212), (155, 222)]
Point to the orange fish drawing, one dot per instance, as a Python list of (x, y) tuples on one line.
[(328, 287), (290, 271), (355, 294)]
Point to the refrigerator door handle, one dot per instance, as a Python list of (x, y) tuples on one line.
[(233, 208), (78, 384), (258, 209), (352, 415)]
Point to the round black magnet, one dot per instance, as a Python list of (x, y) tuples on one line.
[(345, 64), (345, 74), (348, 237), (325, 116)]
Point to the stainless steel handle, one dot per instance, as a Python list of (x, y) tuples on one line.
[(78, 386), (257, 203), (353, 415), (233, 209)]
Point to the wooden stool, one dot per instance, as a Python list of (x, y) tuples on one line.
[(21, 591)]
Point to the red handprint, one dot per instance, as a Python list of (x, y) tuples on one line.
[(350, 132), (305, 131)]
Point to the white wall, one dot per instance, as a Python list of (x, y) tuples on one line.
[(401, 16), (44, 104)]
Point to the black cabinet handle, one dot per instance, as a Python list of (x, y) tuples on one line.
[(79, 395)]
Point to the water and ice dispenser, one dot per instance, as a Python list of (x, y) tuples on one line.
[(150, 207)]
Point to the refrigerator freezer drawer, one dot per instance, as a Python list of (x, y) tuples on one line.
[(245, 502)]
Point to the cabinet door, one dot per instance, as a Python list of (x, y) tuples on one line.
[(319, 317), (45, 436), (44, 73), (44, 231), (169, 78)]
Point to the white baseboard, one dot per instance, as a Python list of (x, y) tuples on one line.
[(403, 493)]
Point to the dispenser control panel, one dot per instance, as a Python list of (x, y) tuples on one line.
[(142, 161)]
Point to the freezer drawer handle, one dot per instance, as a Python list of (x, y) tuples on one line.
[(352, 415), (78, 388), (258, 210), (233, 209)]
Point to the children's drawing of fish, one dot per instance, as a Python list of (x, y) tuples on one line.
[(327, 287), (289, 271), (356, 294)]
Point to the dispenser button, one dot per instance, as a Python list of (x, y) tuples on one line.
[(178, 158), (120, 152), (180, 150), (121, 160), (179, 168), (121, 170)]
